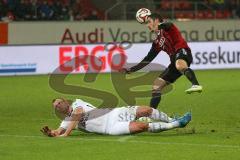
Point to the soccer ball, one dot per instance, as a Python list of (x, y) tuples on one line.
[(145, 119), (142, 15)]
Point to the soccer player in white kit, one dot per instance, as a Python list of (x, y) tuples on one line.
[(112, 121)]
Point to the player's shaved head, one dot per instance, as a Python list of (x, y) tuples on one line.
[(59, 98), (61, 105)]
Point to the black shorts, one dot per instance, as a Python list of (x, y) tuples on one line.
[(171, 74)]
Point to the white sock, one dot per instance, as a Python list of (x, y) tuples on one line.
[(157, 115), (162, 126)]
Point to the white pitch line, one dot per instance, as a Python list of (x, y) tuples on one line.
[(132, 141), (124, 138), (30, 119)]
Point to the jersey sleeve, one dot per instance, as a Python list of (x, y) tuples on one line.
[(64, 124), (76, 104), (165, 25), (146, 60)]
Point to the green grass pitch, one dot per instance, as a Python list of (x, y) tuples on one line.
[(213, 134)]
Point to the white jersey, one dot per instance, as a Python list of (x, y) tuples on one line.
[(78, 103), (113, 121)]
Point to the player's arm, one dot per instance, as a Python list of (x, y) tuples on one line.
[(74, 120), (51, 133), (146, 60), (165, 25), (58, 131)]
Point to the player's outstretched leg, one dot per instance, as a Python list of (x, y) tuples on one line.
[(137, 127), (182, 66), (145, 111), (157, 87), (192, 78), (161, 126)]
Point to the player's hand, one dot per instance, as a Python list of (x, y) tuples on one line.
[(62, 135), (125, 70), (46, 131)]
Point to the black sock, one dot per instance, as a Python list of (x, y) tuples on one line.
[(156, 98), (191, 76)]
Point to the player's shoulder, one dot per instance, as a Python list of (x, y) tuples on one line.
[(78, 100), (165, 21), (80, 103), (165, 25), (77, 103), (64, 123)]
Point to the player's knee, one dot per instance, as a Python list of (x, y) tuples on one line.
[(158, 85), (181, 67), (156, 91), (136, 127), (142, 127)]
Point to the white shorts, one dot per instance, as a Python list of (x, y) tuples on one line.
[(111, 121)]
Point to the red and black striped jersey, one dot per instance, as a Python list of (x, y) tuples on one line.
[(169, 39)]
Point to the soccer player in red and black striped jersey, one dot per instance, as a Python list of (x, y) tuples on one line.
[(169, 40)]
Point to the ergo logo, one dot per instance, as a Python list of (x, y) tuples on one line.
[(84, 56)]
